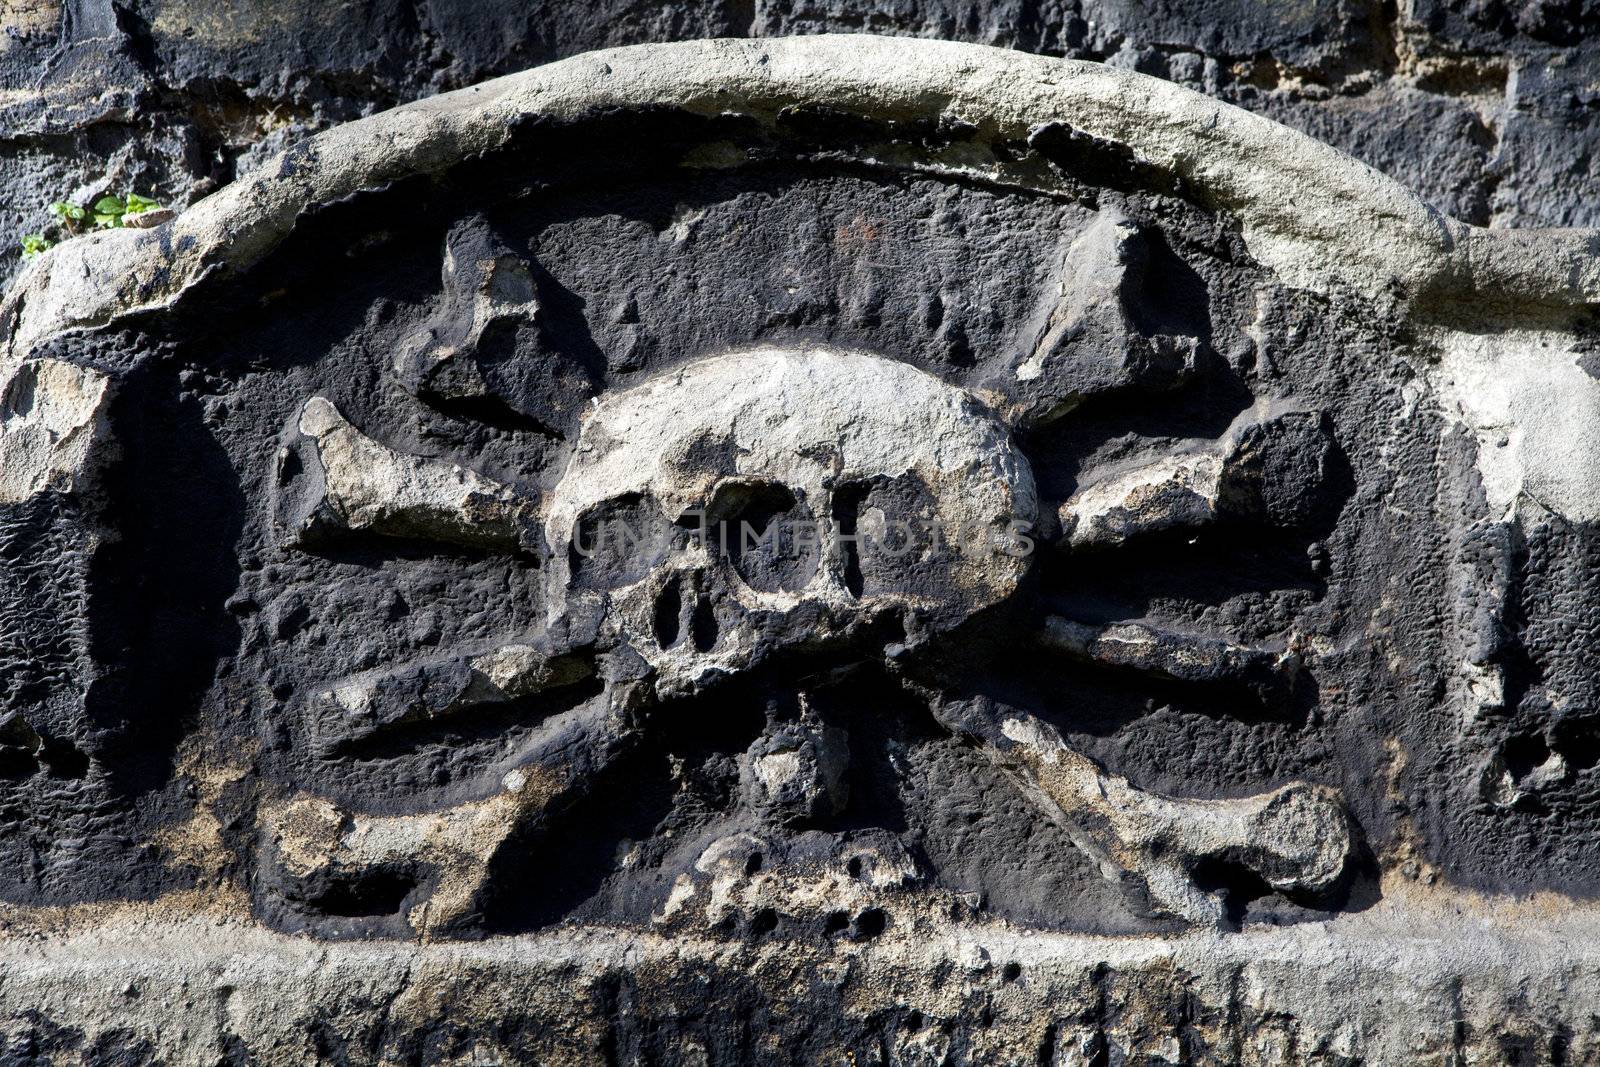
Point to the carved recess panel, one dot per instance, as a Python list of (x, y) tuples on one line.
[(313, 605)]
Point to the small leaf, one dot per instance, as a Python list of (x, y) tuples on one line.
[(109, 205), (138, 205), (33, 244)]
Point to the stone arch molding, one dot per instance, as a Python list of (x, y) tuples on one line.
[(1271, 464), (1318, 217), (1367, 231)]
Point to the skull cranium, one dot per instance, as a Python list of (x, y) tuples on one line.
[(827, 490)]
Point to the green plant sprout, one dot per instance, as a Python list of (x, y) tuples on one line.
[(107, 213)]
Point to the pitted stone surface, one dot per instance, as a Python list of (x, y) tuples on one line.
[(1272, 652), (1483, 108)]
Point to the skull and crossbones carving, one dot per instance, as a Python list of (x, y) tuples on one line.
[(657, 588)]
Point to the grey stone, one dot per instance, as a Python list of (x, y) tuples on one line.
[(797, 772), (1235, 713), (363, 486), (174, 98)]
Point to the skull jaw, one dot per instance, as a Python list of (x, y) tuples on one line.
[(712, 635)]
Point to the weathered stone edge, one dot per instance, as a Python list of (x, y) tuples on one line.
[(1393, 990), (1312, 212)]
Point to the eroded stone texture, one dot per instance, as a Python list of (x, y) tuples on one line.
[(881, 549), (1484, 108)]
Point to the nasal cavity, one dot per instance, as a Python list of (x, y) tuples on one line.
[(669, 609), (703, 626), (846, 513)]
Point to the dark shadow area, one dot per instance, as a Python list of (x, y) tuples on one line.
[(1202, 409), (470, 726), (1203, 566), (157, 624), (571, 866)]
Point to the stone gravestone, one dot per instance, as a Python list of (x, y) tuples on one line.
[(832, 550)]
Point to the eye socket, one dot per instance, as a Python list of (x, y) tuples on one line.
[(892, 538), (767, 533), (619, 541)]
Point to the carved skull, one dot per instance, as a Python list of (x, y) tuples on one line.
[(782, 499)]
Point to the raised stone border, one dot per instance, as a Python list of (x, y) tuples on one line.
[(1454, 982), (1366, 231)]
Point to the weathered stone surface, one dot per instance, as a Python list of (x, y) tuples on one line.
[(364, 487), (1370, 988), (760, 551), (1483, 108)]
